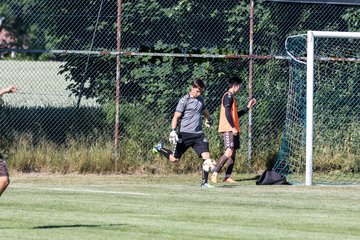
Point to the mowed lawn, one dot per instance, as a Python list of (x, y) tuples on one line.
[(39, 84), (39, 206)]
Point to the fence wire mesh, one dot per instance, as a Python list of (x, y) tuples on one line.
[(62, 56)]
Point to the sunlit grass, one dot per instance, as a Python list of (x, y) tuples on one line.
[(43, 206)]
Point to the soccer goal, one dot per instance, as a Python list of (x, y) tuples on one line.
[(321, 139)]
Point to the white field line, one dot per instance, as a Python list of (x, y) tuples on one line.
[(79, 190)]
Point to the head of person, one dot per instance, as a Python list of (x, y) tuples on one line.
[(235, 83), (197, 87)]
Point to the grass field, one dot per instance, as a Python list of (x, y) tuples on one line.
[(39, 84), (173, 207)]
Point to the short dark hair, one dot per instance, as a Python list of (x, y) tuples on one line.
[(234, 81), (198, 83)]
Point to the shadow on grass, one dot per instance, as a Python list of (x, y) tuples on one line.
[(78, 226), (248, 179), (226, 186), (238, 180)]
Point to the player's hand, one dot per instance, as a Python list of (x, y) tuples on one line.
[(10, 89), (235, 132), (173, 137), (251, 103), (208, 123)]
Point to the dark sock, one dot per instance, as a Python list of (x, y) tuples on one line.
[(165, 152), (205, 176), (230, 167), (221, 163)]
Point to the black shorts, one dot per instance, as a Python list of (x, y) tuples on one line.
[(3, 169), (197, 141), (231, 141)]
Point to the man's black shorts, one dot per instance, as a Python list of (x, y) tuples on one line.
[(197, 141)]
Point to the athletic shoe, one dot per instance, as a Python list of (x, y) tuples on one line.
[(157, 148), (213, 178), (229, 180), (206, 186)]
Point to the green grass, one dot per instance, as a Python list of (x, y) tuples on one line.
[(173, 207), (39, 84)]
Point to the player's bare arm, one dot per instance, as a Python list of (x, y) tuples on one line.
[(9, 89), (175, 119), (207, 114), (208, 121)]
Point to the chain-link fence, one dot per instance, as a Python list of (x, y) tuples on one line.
[(65, 66)]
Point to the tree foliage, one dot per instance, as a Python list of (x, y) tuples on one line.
[(162, 26)]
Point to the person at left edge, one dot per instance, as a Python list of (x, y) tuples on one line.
[(4, 174)]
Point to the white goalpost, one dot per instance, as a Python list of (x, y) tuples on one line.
[(320, 143), (311, 35)]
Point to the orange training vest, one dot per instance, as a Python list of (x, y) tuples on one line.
[(224, 125)]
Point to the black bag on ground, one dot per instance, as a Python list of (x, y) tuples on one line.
[(270, 177)]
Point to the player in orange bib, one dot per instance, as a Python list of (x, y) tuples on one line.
[(229, 128)]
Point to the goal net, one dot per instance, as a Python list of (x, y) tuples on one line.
[(321, 139)]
